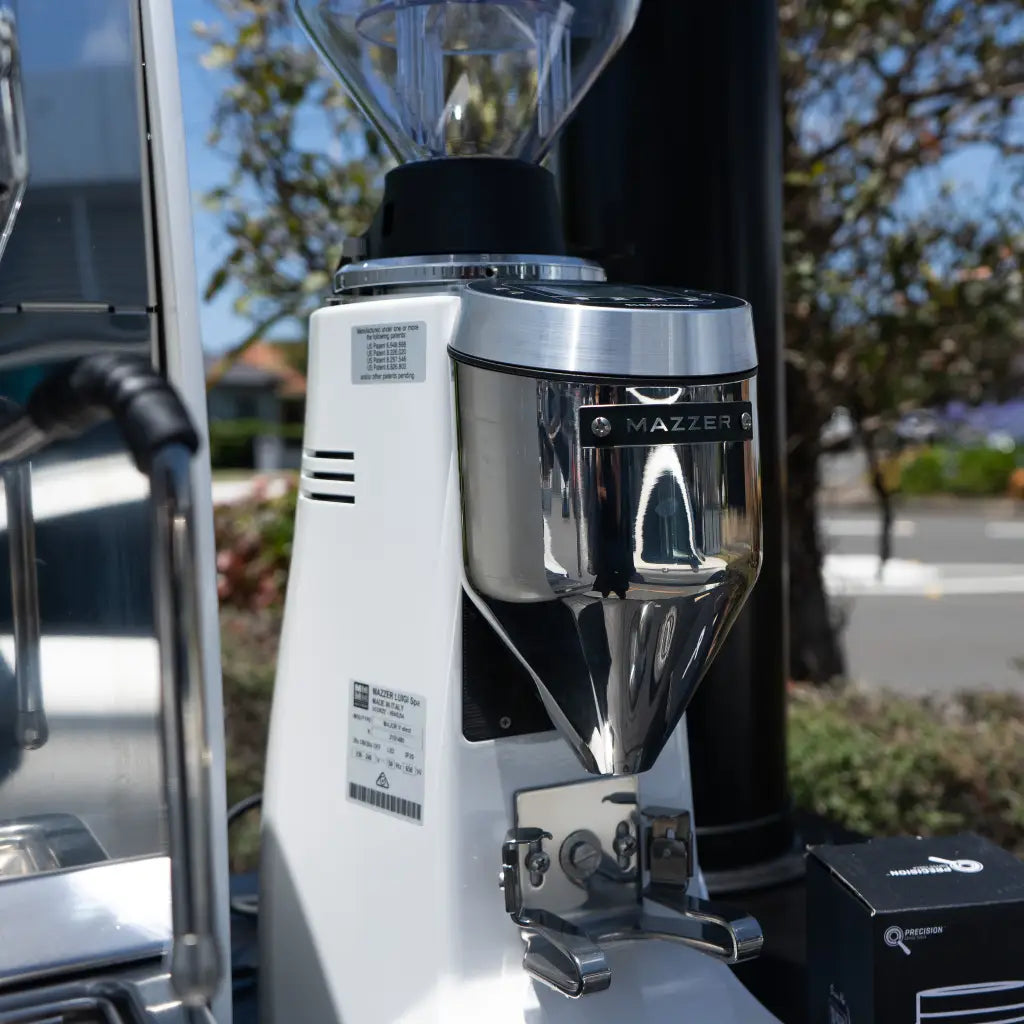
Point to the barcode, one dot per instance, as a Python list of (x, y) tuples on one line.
[(386, 801)]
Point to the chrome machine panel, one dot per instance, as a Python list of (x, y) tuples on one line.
[(77, 277), (84, 880)]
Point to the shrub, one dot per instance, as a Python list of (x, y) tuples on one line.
[(983, 471), (231, 441), (254, 548), (254, 544), (884, 765), (973, 472), (924, 473), (249, 642)]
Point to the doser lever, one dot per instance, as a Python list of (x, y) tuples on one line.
[(723, 932), (561, 955)]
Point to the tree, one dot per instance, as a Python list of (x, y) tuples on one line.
[(898, 292), (306, 168)]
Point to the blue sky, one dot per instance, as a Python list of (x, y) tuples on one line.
[(221, 328)]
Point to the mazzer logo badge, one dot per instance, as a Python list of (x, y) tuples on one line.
[(940, 866), (616, 426)]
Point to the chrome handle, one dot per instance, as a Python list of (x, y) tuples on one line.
[(31, 729), (721, 931), (195, 956), (562, 956), (13, 139)]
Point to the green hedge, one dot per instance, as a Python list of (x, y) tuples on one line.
[(883, 764), (254, 546), (971, 472), (924, 474), (231, 441), (254, 549), (249, 641)]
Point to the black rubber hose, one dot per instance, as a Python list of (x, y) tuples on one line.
[(128, 389)]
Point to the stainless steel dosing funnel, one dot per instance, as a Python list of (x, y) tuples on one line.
[(611, 500)]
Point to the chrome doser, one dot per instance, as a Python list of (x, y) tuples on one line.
[(612, 532)]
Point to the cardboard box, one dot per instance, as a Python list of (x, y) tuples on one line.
[(915, 931)]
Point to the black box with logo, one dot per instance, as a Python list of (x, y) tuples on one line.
[(915, 931)]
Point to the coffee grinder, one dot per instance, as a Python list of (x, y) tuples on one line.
[(529, 513)]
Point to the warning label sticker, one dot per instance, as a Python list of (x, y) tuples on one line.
[(386, 750), (389, 353)]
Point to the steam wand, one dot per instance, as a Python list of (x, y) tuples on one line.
[(31, 729), (161, 439)]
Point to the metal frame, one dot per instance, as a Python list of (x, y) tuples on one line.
[(570, 908)]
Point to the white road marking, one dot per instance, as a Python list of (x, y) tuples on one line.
[(227, 492), (978, 586), (862, 571), (857, 576), (866, 527), (1005, 531)]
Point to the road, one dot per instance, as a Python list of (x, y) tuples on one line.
[(947, 613)]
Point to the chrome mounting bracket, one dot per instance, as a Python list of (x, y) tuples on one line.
[(582, 867)]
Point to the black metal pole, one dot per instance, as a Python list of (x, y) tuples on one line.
[(672, 174)]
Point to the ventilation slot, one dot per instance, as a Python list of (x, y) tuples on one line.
[(328, 476), (344, 499), (345, 456), (341, 478)]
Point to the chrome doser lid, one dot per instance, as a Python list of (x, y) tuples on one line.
[(592, 329)]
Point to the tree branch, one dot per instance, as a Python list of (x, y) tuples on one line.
[(971, 89), (226, 361)]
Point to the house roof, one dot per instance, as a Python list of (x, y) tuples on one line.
[(262, 365)]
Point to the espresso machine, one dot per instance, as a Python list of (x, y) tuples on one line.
[(113, 851), (528, 516)]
